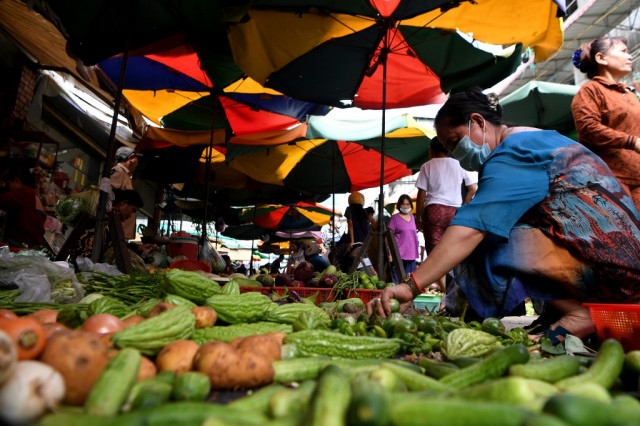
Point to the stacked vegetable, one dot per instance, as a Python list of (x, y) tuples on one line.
[(166, 355)]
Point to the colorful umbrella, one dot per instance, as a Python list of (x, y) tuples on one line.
[(172, 88), (387, 54), (298, 216), (330, 166), (541, 104)]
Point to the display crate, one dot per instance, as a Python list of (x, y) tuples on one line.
[(428, 302), (617, 321), (324, 294)]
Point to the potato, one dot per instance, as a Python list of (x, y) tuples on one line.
[(206, 316), (177, 356), (160, 308), (229, 368), (147, 369), (80, 358), (265, 345)]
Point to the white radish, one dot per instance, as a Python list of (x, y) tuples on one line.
[(33, 389), (8, 357)]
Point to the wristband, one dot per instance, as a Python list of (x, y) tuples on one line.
[(413, 285)]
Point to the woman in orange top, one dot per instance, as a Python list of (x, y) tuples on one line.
[(607, 112)]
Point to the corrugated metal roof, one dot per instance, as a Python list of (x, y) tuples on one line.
[(588, 20)]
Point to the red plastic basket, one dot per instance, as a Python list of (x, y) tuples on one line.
[(617, 321), (324, 294), (190, 265)]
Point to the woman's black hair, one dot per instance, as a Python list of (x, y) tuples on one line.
[(460, 105), (402, 199), (585, 57)]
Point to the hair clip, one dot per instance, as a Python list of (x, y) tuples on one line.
[(576, 58), (493, 101)]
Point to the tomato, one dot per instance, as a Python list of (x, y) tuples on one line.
[(103, 324), (45, 316), (394, 304), (7, 314), (27, 334)]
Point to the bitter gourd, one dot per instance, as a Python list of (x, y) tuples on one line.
[(153, 334), (241, 308), (190, 285), (334, 344)]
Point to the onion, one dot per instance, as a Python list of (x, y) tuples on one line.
[(33, 389), (102, 324), (8, 357)]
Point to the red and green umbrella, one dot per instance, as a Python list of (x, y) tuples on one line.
[(285, 217), (387, 54)]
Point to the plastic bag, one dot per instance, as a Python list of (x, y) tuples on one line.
[(86, 264), (38, 278), (69, 210), (209, 255)]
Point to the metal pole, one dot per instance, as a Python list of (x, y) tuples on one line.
[(98, 242)]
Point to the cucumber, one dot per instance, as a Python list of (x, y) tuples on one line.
[(291, 401), (416, 381), (544, 419), (456, 412), (581, 410), (548, 369), (437, 369), (632, 361), (493, 366), (149, 393), (604, 370), (511, 390), (369, 403), (191, 386), (258, 400), (114, 384), (331, 398)]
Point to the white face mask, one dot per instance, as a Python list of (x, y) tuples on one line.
[(405, 210), (471, 155)]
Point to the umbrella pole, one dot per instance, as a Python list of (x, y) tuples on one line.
[(207, 174), (98, 241), (381, 257)]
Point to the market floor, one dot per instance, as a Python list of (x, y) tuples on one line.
[(515, 322)]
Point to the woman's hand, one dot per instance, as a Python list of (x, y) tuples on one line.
[(401, 292)]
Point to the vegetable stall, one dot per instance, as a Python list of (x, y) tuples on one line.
[(173, 346)]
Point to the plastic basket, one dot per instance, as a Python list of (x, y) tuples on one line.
[(617, 321), (190, 265), (324, 294), (429, 302)]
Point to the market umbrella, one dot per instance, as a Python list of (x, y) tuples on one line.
[(288, 217), (174, 89), (330, 166), (332, 52), (541, 104)]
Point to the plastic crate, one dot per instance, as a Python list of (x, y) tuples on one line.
[(617, 321), (324, 294), (429, 302), (190, 265)]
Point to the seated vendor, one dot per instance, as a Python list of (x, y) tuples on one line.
[(25, 217), (126, 203)]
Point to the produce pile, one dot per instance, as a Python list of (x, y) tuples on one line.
[(176, 347)]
